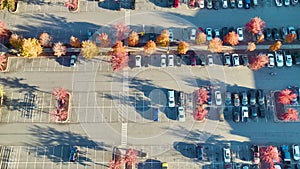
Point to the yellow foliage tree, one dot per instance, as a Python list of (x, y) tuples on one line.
[(46, 40), (163, 39), (183, 47), (215, 45), (133, 39), (59, 49), (261, 38), (74, 42), (31, 47), (89, 49), (150, 47), (201, 38), (275, 46), (15, 41), (251, 46), (289, 38)]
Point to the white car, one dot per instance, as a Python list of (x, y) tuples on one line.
[(240, 33), (245, 113), (288, 60), (218, 98), (287, 2), (181, 114), (163, 62), (240, 4), (279, 58), (171, 60), (208, 32), (138, 61), (171, 98), (278, 2), (225, 3), (226, 155), (271, 60), (201, 4), (296, 152), (193, 34), (210, 60), (235, 59)]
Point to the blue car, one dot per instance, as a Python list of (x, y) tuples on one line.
[(72, 61), (74, 154), (199, 150)]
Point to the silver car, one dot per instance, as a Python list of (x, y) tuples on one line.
[(163, 60), (138, 62), (278, 2)]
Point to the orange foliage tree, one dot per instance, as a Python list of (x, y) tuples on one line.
[(163, 39), (183, 47), (275, 46), (270, 155), (290, 115), (3, 62), (255, 25), (46, 40), (74, 42), (289, 38), (215, 45), (232, 38), (15, 41), (133, 39), (286, 96), (119, 56), (150, 47), (121, 30), (200, 113), (104, 40), (31, 47), (251, 46), (4, 32), (59, 49), (201, 38), (259, 61), (261, 38)]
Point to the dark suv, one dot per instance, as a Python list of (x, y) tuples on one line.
[(275, 34), (261, 97), (224, 32)]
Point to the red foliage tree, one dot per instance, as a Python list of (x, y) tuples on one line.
[(72, 4), (290, 115), (259, 62), (4, 32), (286, 96), (3, 62), (59, 115), (119, 58), (270, 155), (131, 158), (61, 95), (115, 164), (200, 113), (255, 25), (121, 30), (202, 96)]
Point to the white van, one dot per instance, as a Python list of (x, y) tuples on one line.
[(138, 62), (171, 60), (171, 96)]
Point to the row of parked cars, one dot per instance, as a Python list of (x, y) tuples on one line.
[(286, 2), (280, 34), (217, 4)]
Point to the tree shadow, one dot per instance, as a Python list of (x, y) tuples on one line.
[(150, 164), (16, 83)]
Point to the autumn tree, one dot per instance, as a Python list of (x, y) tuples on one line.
[(286, 96), (74, 42), (232, 38), (3, 61), (130, 159), (269, 156), (119, 58), (104, 40), (259, 61), (255, 25), (261, 38), (201, 38), (202, 96), (200, 113), (133, 39), (183, 47), (251, 46), (4, 32), (215, 45), (121, 30), (289, 38), (290, 115), (275, 46), (61, 111), (115, 164), (163, 39), (15, 41), (46, 40), (59, 49), (89, 49), (31, 47), (150, 47)]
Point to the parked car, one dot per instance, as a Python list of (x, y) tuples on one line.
[(171, 98), (254, 2), (216, 4), (203, 60), (244, 113), (181, 114), (298, 33), (296, 152), (228, 99), (240, 34), (291, 30), (288, 58), (178, 61), (275, 34), (73, 61), (225, 4), (216, 33), (138, 61), (193, 61), (235, 59), (224, 32), (74, 154), (163, 61), (260, 97), (170, 60), (262, 111), (278, 2), (244, 98), (254, 112), (279, 58), (210, 60), (252, 94), (245, 60), (226, 155), (236, 100), (247, 4), (268, 34), (164, 165), (171, 35), (227, 59), (255, 151), (155, 114), (271, 60), (284, 32), (236, 114), (218, 98), (286, 2), (176, 3), (209, 100), (240, 3), (294, 90), (209, 4), (202, 4), (232, 3), (199, 150), (286, 154), (208, 32), (193, 34), (294, 2)]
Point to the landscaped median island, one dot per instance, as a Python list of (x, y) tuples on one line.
[(62, 111)]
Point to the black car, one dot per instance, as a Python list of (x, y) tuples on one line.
[(224, 32), (260, 97), (231, 29), (262, 111), (216, 4), (252, 96), (203, 60), (298, 33), (254, 112), (247, 4), (268, 34), (178, 61), (245, 60), (236, 114), (199, 154), (180, 99), (275, 34)]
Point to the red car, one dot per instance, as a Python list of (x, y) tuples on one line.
[(176, 3), (193, 61)]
